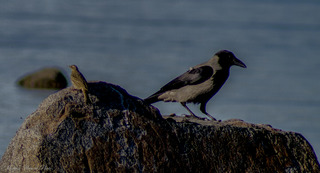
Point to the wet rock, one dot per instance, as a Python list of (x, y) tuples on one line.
[(119, 133), (46, 78)]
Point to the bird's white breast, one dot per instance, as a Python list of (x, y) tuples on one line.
[(187, 93)]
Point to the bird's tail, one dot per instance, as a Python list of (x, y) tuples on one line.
[(86, 96), (152, 99)]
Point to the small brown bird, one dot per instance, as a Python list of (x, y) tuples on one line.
[(79, 82)]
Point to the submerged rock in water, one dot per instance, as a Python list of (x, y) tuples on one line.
[(46, 78), (120, 133)]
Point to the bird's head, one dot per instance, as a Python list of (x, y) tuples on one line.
[(73, 67), (228, 59)]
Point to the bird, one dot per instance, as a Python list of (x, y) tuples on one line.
[(79, 82), (199, 84)]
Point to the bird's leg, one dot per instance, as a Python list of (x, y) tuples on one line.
[(210, 116), (203, 110), (192, 114), (185, 106)]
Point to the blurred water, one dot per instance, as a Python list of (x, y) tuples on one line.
[(141, 45)]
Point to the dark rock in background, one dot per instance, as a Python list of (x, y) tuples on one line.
[(46, 78), (119, 133)]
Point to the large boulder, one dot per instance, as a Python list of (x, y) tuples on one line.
[(120, 133), (46, 78)]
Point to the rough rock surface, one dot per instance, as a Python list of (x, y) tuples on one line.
[(119, 133), (46, 78)]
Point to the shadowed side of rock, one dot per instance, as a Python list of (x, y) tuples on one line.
[(120, 133)]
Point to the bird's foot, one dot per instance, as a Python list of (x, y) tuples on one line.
[(196, 117), (172, 115), (212, 118), (185, 120)]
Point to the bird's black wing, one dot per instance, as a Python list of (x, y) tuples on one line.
[(191, 77)]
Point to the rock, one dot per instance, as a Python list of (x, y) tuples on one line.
[(46, 78), (119, 133)]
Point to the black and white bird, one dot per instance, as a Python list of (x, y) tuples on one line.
[(199, 84)]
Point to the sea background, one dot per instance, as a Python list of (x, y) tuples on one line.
[(141, 45)]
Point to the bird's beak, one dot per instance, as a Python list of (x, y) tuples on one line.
[(239, 63)]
